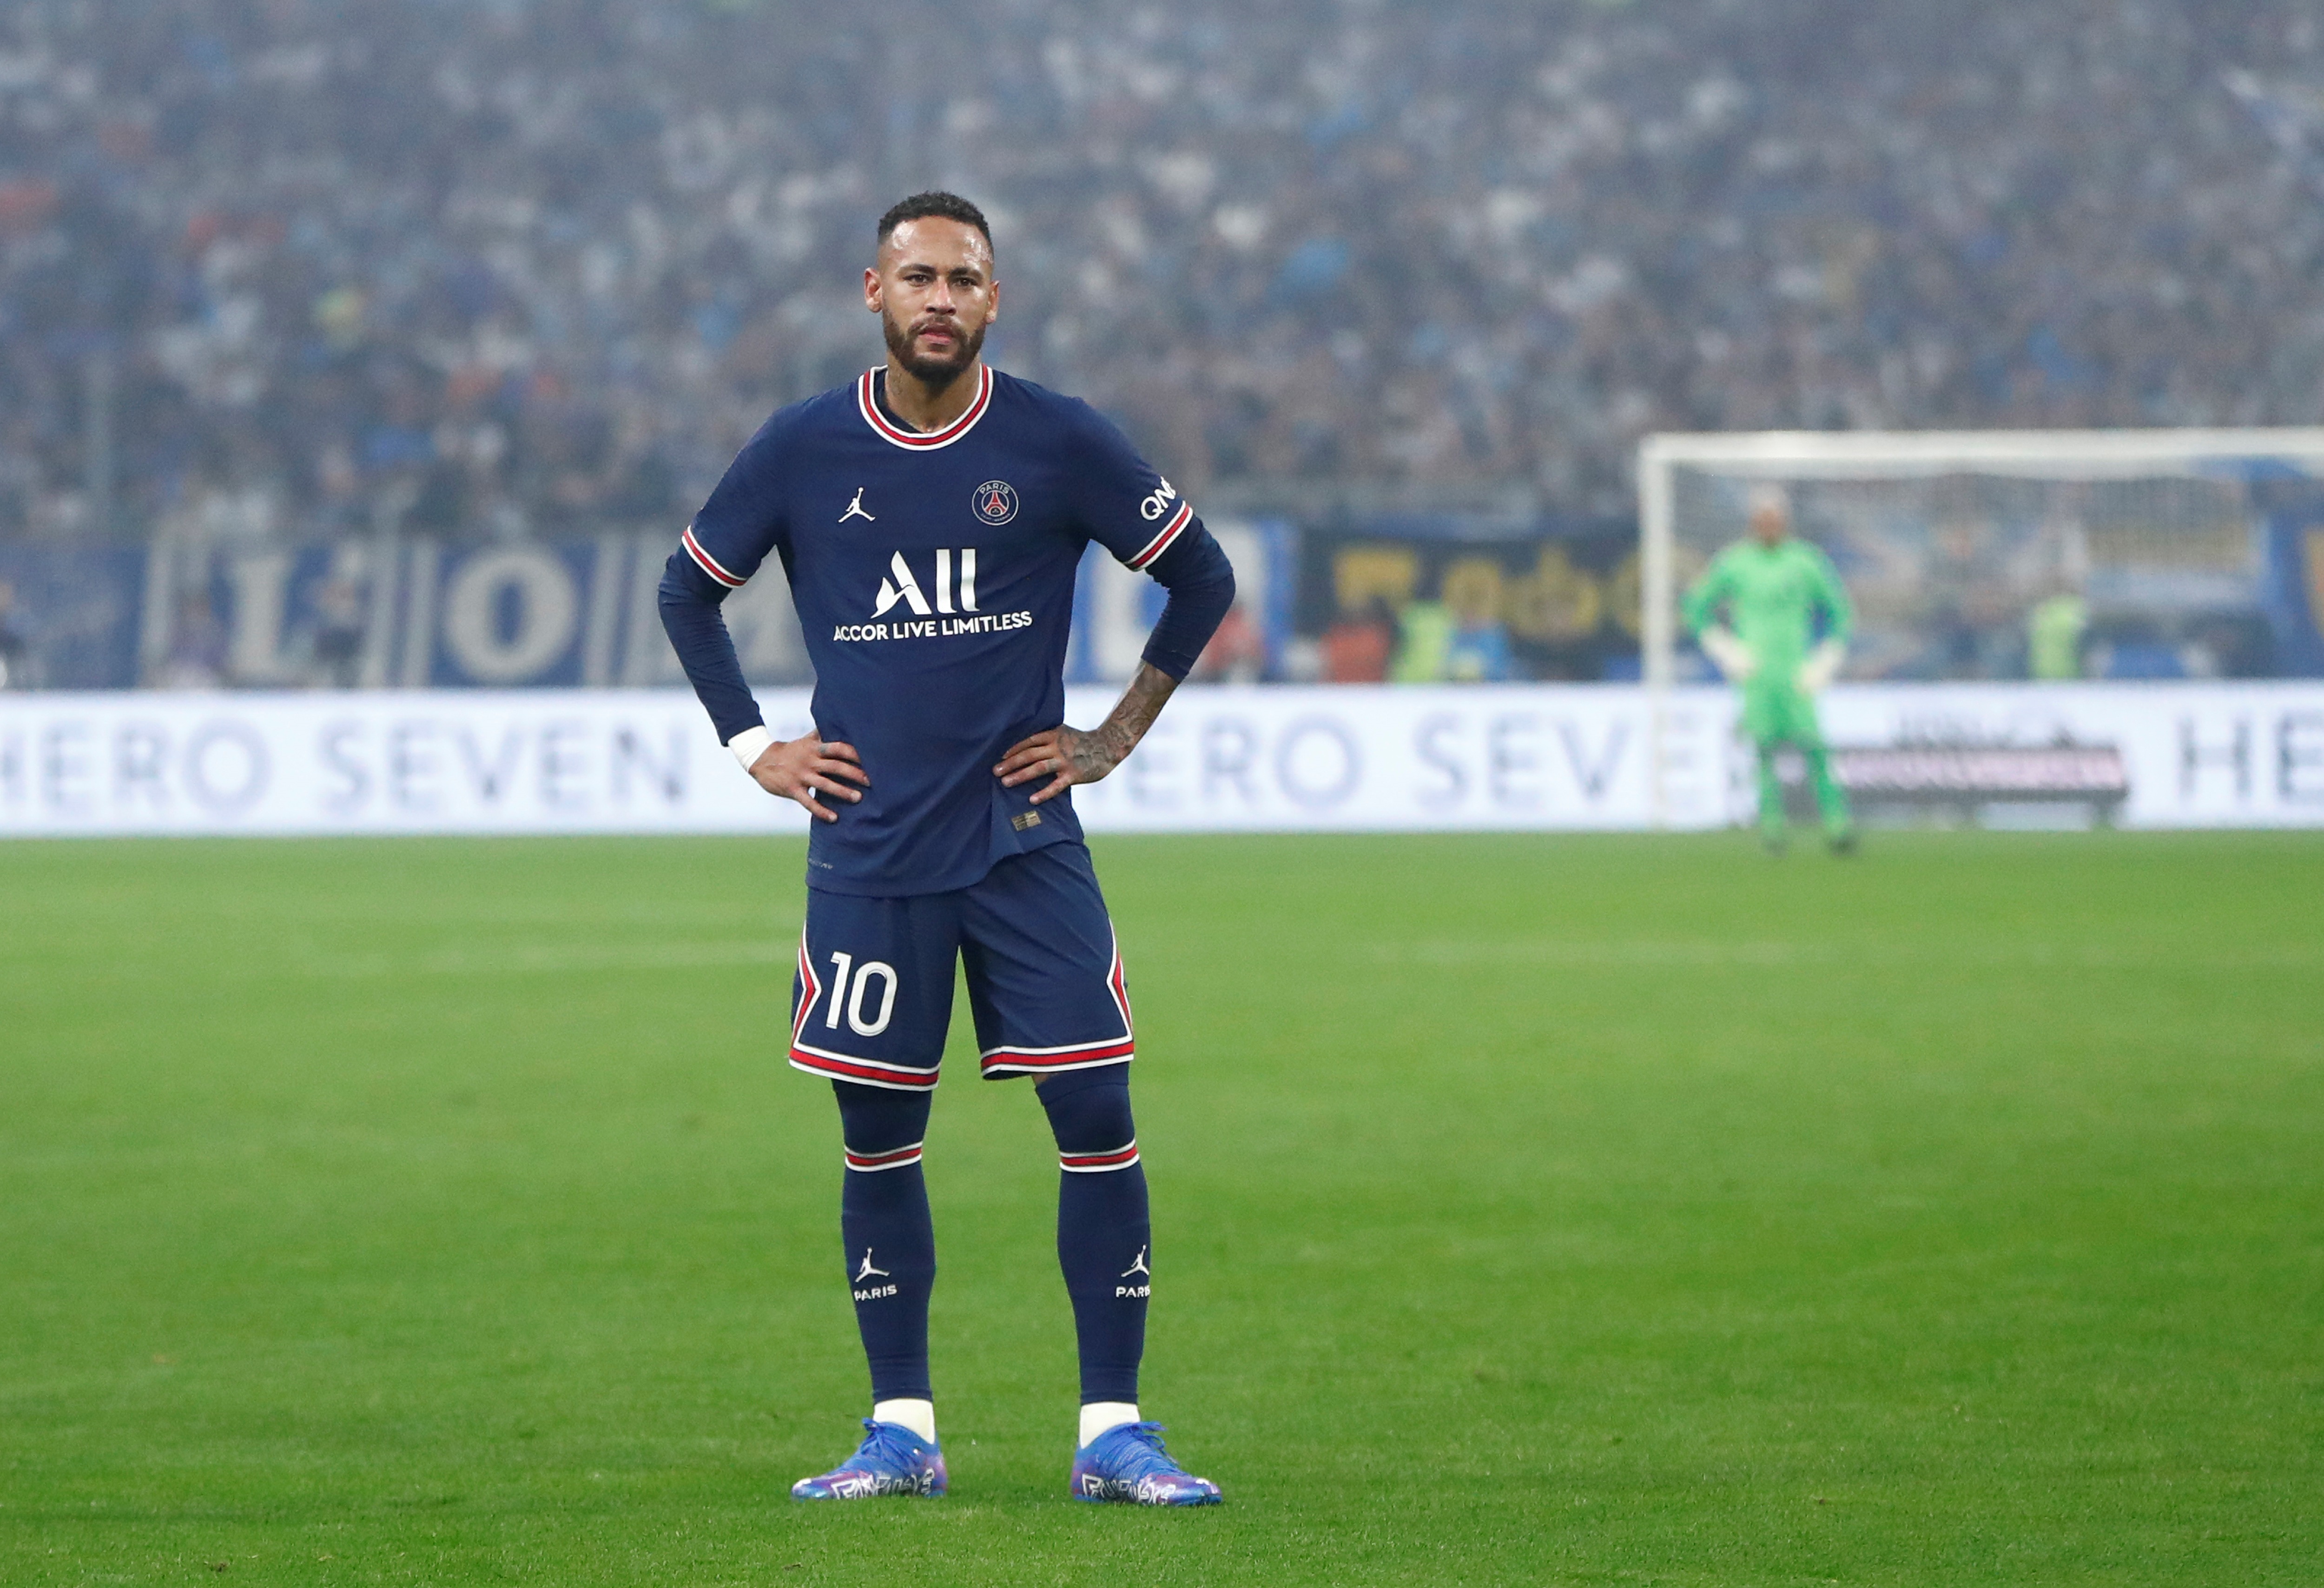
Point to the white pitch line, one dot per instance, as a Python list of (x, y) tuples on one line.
[(547, 958)]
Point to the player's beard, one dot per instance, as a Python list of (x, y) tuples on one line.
[(933, 372)]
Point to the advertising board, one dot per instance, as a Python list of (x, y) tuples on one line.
[(1539, 757)]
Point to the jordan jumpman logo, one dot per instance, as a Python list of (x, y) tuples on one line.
[(855, 509)]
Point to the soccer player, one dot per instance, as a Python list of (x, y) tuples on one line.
[(1774, 588), (930, 516)]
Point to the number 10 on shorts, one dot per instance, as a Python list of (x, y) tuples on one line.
[(849, 983)]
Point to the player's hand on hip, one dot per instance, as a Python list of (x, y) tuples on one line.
[(804, 768), (1064, 755), (1737, 660), (1816, 673)]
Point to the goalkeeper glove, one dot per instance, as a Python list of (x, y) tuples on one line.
[(1734, 658), (1822, 665)]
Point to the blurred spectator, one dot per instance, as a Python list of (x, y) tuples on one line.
[(1356, 648), (16, 648), (1424, 644), (270, 268), (197, 647), (1237, 653), (338, 635), (2054, 636), (1477, 649)]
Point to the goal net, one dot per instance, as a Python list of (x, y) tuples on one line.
[(2004, 554)]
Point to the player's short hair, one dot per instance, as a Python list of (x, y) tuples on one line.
[(935, 204)]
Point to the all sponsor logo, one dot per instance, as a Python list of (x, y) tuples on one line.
[(900, 585), (941, 608)]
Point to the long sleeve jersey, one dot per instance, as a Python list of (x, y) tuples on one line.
[(933, 573), (1772, 598)]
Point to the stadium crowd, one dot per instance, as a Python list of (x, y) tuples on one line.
[(506, 267)]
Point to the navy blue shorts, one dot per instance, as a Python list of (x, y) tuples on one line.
[(873, 999)]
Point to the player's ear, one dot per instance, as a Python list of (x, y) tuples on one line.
[(872, 289), (993, 300)]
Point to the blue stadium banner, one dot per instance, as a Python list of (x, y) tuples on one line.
[(69, 615), (420, 613), (576, 611), (377, 612), (387, 612)]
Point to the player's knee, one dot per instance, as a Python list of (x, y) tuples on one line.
[(875, 1120), (1089, 1109)]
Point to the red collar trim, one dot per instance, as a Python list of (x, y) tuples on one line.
[(866, 400)]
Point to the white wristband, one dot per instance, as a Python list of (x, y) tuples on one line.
[(749, 744)]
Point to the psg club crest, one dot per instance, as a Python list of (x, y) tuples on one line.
[(996, 501)]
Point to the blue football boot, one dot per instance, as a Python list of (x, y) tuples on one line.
[(1127, 1465), (891, 1459)]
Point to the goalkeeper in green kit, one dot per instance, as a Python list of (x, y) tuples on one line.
[(1772, 588)]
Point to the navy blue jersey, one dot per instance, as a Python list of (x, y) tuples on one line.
[(934, 578)]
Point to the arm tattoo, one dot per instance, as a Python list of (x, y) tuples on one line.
[(1102, 749)]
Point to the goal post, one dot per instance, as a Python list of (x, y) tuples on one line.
[(1948, 540)]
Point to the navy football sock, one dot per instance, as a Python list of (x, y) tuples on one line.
[(1103, 1234), (892, 1245)]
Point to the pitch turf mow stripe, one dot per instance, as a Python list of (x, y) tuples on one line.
[(1669, 1213)]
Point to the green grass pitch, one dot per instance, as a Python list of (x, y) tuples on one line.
[(1528, 1210)]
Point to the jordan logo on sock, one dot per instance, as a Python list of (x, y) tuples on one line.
[(870, 1292), (1137, 1266)]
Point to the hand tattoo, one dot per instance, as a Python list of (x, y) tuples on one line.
[(1091, 755), (1067, 756)]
